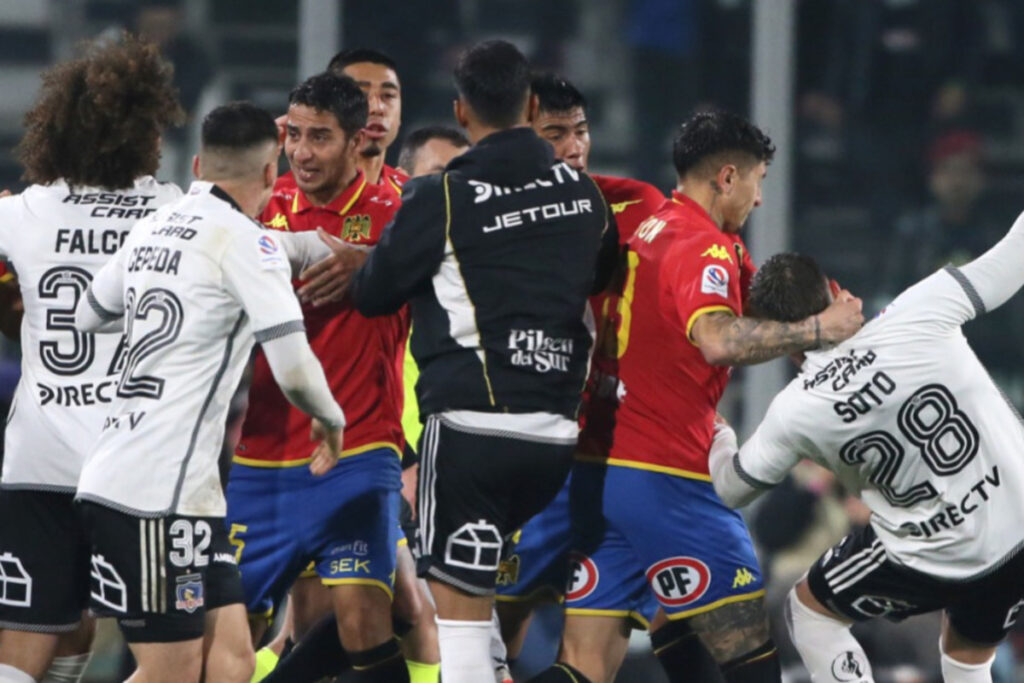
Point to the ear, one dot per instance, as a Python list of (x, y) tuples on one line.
[(459, 108), (532, 108), (726, 178), (197, 170), (357, 141), (270, 174)]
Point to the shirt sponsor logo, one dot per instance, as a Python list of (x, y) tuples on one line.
[(188, 593), (841, 370), (561, 173), (536, 214), (954, 515), (679, 581), (715, 280), (87, 394), (583, 577), (535, 350), (717, 251)]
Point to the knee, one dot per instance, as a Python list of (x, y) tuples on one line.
[(364, 619), (733, 630), (236, 666)]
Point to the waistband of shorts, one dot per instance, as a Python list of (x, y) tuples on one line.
[(259, 463), (641, 465)]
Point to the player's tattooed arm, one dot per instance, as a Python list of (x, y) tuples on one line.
[(732, 631), (726, 339)]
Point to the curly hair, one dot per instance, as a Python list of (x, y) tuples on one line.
[(98, 118)]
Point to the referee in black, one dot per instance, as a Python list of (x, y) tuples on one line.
[(496, 257)]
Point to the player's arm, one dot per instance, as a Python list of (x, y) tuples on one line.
[(741, 475), (262, 284), (997, 274), (725, 338), (609, 250), (101, 309), (307, 249), (410, 249)]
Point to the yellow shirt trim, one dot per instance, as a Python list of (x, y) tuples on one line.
[(650, 467), (278, 464), (701, 311)]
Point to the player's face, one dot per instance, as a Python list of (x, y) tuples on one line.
[(568, 132), (744, 197), (385, 99), (433, 156), (319, 153)]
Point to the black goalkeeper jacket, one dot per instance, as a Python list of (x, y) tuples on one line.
[(496, 257)]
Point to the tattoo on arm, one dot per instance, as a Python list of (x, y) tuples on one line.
[(733, 630), (750, 340)]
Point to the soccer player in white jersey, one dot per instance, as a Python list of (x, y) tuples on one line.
[(908, 419), (90, 146), (197, 284)]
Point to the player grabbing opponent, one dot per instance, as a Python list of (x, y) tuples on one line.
[(90, 146), (908, 419)]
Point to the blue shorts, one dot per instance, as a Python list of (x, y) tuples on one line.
[(537, 566), (346, 522), (638, 532)]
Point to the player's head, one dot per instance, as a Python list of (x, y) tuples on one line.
[(429, 149), (727, 154), (493, 82), (562, 119), (239, 147), (97, 120), (377, 74), (956, 175), (323, 131), (789, 287)]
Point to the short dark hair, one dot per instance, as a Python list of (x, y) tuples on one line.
[(238, 126), (710, 134), (421, 136), (337, 94), (358, 55), (494, 79), (98, 118), (556, 94), (787, 288)]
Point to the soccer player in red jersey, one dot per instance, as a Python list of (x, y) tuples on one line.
[(647, 518), (345, 521)]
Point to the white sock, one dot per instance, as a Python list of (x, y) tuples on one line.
[(958, 672), (8, 674), (67, 669), (465, 651), (829, 650)]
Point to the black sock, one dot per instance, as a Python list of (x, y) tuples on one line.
[(381, 664), (757, 666), (559, 673), (683, 657), (318, 655)]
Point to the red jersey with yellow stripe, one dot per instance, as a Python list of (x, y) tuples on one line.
[(652, 394), (631, 201), (393, 177), (361, 356), (5, 275)]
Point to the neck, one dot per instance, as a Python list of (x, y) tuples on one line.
[(373, 167), (704, 195), (250, 196), (329, 194)]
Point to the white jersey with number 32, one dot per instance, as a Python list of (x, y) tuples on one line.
[(909, 420), (57, 237), (197, 283)]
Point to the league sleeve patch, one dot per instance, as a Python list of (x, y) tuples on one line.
[(715, 280), (271, 254)]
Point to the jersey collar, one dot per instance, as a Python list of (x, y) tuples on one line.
[(199, 186), (340, 204), (684, 204)]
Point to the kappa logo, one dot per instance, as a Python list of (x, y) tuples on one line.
[(356, 228), (619, 207), (278, 222), (188, 593), (583, 577), (743, 578), (715, 280), (679, 580), (717, 251), (848, 667)]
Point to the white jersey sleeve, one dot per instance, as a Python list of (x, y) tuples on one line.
[(768, 455), (102, 307), (257, 273)]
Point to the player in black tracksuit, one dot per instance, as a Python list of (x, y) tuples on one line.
[(496, 257)]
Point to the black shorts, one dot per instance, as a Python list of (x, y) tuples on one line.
[(159, 576), (44, 562), (855, 579), (475, 491)]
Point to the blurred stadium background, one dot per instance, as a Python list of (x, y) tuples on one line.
[(900, 126)]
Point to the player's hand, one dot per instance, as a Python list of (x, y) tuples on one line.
[(282, 127), (328, 280), (842, 319), (327, 451)]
